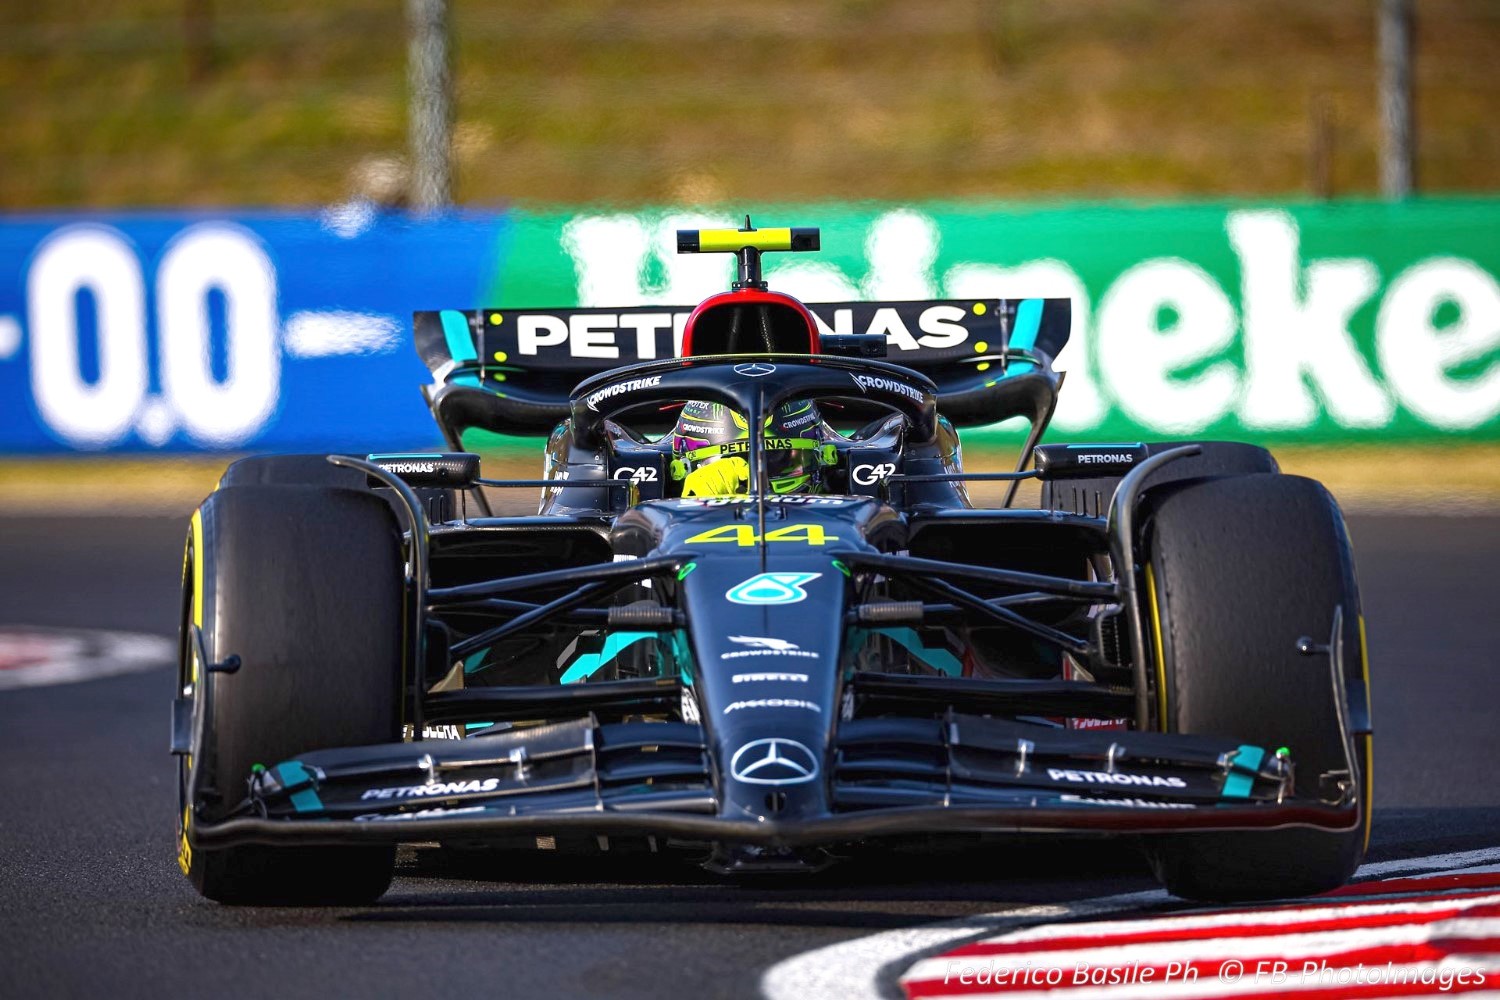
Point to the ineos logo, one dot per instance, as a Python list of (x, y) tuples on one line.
[(869, 475), (773, 761), (644, 474), (754, 370)]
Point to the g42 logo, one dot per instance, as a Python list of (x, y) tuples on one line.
[(744, 535), (641, 474), (869, 475)]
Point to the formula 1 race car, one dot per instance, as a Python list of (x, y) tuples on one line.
[(797, 664)]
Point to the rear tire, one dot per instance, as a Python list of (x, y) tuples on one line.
[(306, 586), (1238, 569)]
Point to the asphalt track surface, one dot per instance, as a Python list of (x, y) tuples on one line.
[(91, 902)]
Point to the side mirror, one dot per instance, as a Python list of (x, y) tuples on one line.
[(854, 345), (453, 471), (1087, 461)]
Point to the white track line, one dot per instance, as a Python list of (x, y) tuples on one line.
[(852, 970), (1437, 864)]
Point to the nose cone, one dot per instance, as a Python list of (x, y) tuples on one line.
[(766, 652)]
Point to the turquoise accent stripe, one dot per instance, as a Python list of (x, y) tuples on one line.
[(467, 379), (400, 456), (1023, 337), (1238, 784), (456, 333), (614, 644), (472, 661), (679, 650), (937, 659), (293, 773)]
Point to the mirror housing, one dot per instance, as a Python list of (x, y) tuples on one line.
[(854, 345), (1087, 461), (451, 470)]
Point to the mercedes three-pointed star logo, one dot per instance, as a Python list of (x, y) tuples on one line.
[(754, 369), (774, 761)]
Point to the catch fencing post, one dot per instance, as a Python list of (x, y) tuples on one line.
[(431, 109), (1397, 128)]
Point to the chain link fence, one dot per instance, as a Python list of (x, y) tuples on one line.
[(171, 102)]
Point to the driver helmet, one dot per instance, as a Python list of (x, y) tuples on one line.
[(793, 447)]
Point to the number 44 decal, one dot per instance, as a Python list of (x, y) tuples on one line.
[(744, 535)]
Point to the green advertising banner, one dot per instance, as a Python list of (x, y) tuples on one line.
[(1317, 322)]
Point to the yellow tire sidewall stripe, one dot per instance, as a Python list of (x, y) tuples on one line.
[(1161, 656), (184, 846)]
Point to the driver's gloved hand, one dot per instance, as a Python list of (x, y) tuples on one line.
[(717, 479)]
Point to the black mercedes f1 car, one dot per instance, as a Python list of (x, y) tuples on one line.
[(1169, 646)]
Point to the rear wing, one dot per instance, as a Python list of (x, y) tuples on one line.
[(511, 371)]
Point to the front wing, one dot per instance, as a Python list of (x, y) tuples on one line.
[(886, 776)]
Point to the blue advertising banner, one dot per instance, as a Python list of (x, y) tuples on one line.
[(180, 332)]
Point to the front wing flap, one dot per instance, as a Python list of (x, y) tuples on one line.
[(559, 767)]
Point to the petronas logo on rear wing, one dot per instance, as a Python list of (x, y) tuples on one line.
[(526, 362), (919, 334)]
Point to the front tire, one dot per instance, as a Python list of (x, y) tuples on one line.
[(1239, 568), (306, 586)]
